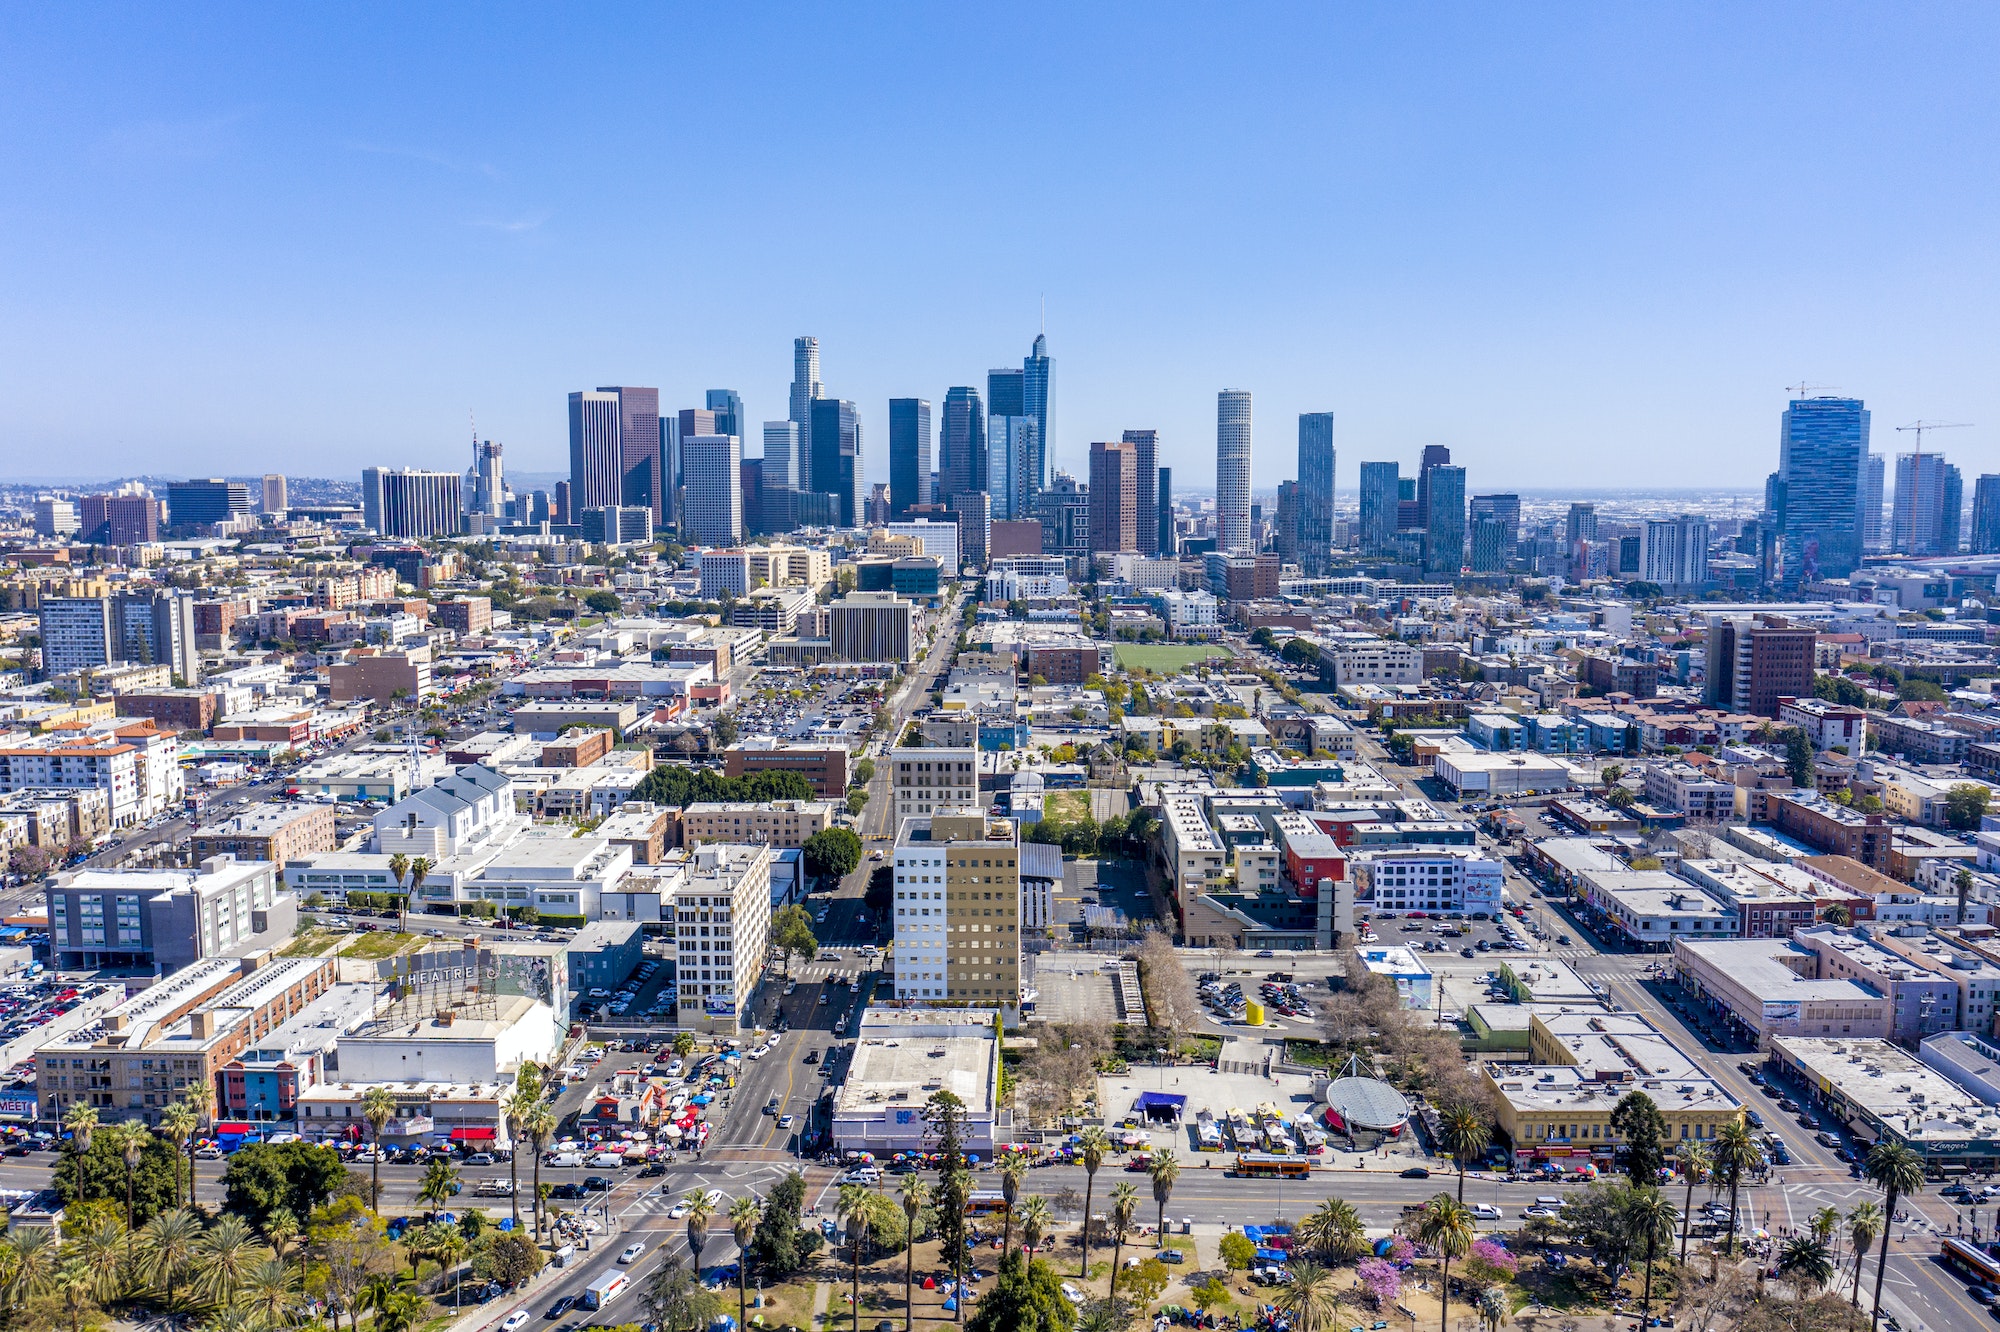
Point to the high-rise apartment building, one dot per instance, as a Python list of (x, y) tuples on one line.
[(1064, 509), (722, 930), (371, 498), (1504, 509), (712, 489), (1038, 400), (1010, 453), (909, 454), (1114, 497), (1823, 444), (1954, 511), (416, 504), (1490, 547), (1314, 498), (1872, 477), (1581, 525), (1444, 521), (1754, 660), (1232, 471), (1169, 541), (119, 520), (596, 454), (150, 628), (56, 517), (1986, 515), (958, 909), (274, 493), (211, 500), (1381, 495), (1146, 480), (806, 389), (961, 444), (972, 510), (1918, 525), (835, 452), (1674, 551)]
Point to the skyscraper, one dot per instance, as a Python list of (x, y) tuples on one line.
[(1146, 452), (712, 467), (1010, 450), (1114, 497), (961, 444), (485, 483), (1504, 509), (1381, 496), (1169, 544), (1986, 515), (1490, 547), (642, 482), (781, 455), (1821, 445), (1435, 455), (1954, 511), (1871, 502), (909, 454), (1232, 470), (210, 500), (596, 470), (1444, 522), (1038, 401), (1918, 525), (1315, 492), (1674, 551), (274, 493), (1581, 525), (805, 389), (727, 404), (419, 504), (1006, 393), (835, 451)]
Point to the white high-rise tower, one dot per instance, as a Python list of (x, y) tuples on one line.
[(805, 388), (1232, 469)]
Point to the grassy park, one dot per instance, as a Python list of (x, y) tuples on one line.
[(1167, 658)]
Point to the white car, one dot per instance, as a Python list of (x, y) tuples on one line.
[(677, 1211), (715, 1197), (632, 1251), (517, 1319), (1486, 1211)]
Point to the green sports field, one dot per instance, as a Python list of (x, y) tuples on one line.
[(1167, 658)]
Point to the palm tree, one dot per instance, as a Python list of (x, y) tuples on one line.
[(178, 1123), (540, 1125), (378, 1107), (167, 1245), (440, 1184), (420, 869), (200, 1098), (915, 1194), (1093, 1145), (858, 1206), (281, 1228), (514, 1109), (1124, 1202), (1446, 1226), (30, 1264), (1864, 1223), (225, 1255), (447, 1248), (1165, 1170), (1897, 1171), (1696, 1164), (129, 1141), (1462, 1132), (395, 1310), (1826, 1224), (267, 1293), (1036, 1222), (1013, 1169), (102, 1248), (1311, 1298), (75, 1284), (81, 1121), (1736, 1154), (744, 1214), (399, 865), (1334, 1229), (1493, 1306), (699, 1210), (1807, 1264), (1652, 1218)]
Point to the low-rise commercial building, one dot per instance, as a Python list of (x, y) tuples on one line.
[(1881, 1093), (901, 1060), (825, 768), (1835, 829), (1652, 908), (1432, 880), (270, 831), (1763, 988), (784, 823)]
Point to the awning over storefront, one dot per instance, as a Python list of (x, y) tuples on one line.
[(472, 1135), (234, 1129)]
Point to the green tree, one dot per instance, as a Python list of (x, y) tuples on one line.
[(1920, 691), (1164, 1171), (439, 1185), (298, 1177), (1025, 1298), (1446, 1227), (1864, 1223), (1799, 758), (862, 1208), (791, 934), (1736, 1155), (1899, 1172), (1333, 1231), (1807, 1263), (1695, 1164), (100, 1172), (1638, 1121), (914, 1198), (378, 1107), (1238, 1252), (604, 602), (744, 1214), (1124, 1204), (1093, 1145), (832, 853), (167, 1250), (1464, 1135), (178, 1125), (1964, 806), (781, 1246), (1311, 1298), (1652, 1220)]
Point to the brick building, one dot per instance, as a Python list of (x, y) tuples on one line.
[(273, 832), (826, 768)]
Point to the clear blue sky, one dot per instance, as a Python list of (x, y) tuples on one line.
[(1583, 245)]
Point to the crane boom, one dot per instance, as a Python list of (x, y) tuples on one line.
[(1920, 426)]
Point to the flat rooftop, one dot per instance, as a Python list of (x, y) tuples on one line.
[(508, 1009), (1753, 965), (901, 1057), (320, 1024), (1908, 1097)]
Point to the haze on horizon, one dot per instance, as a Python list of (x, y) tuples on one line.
[(1583, 247)]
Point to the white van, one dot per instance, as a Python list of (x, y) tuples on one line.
[(559, 1160), (607, 1160)]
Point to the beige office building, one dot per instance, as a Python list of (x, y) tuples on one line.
[(958, 910), (934, 781)]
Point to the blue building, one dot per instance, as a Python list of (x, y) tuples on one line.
[(603, 953), (1315, 493), (1816, 492)]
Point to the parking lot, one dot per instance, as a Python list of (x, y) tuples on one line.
[(793, 706), (1453, 933)]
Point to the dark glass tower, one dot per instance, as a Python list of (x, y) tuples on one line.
[(1822, 447), (1146, 444), (1381, 494), (1314, 501), (1038, 400), (961, 444), (836, 457), (1168, 545), (1444, 522), (909, 454)]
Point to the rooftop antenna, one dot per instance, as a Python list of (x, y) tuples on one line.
[(1045, 314)]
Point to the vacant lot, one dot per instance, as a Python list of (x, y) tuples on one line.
[(1167, 658), (372, 947), (1066, 806)]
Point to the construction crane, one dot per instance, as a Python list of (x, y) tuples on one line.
[(1805, 390), (1920, 426)]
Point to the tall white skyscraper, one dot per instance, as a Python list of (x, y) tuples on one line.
[(1232, 470), (1918, 526), (805, 388), (1871, 502), (1674, 552), (712, 467), (274, 493)]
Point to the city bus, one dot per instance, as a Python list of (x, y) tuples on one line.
[(985, 1201), (1263, 1165), (1970, 1261)]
